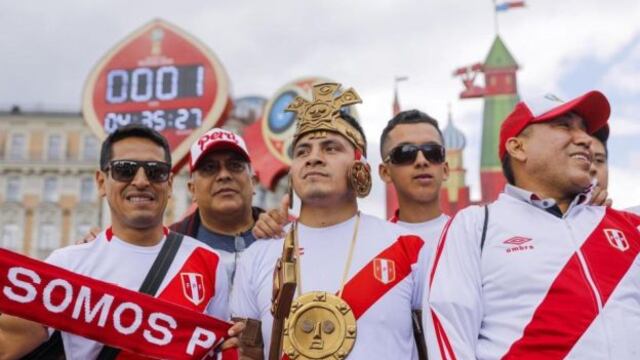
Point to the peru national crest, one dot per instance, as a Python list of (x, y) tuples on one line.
[(193, 287), (617, 239), (384, 270)]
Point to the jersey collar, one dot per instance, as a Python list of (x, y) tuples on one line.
[(109, 232), (547, 204)]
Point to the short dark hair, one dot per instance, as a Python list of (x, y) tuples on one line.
[(602, 135), (132, 130), (507, 169), (408, 117)]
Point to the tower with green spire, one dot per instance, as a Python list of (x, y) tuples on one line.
[(500, 95)]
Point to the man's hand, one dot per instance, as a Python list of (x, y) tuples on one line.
[(599, 197), (234, 334), (90, 236), (19, 336), (271, 224), (251, 345)]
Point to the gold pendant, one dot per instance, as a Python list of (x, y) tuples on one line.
[(320, 326)]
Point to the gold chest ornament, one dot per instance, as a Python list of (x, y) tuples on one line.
[(320, 326)]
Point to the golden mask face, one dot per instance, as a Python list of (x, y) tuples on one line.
[(320, 326)]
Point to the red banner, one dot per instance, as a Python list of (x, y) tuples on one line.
[(104, 312)]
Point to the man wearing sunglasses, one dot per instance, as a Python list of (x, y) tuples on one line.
[(222, 187), (135, 178), (539, 273), (412, 149)]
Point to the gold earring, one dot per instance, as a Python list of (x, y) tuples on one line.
[(360, 178)]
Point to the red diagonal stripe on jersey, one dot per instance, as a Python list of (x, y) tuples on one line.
[(404, 252), (200, 259), (569, 307), (363, 290)]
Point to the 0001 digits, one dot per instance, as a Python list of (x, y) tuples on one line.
[(159, 120)]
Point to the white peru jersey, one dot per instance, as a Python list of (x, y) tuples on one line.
[(544, 285), (430, 232), (196, 278), (384, 281)]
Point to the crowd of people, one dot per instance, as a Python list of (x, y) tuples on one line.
[(547, 271)]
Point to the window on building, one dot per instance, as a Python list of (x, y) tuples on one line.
[(10, 237), (54, 149), (18, 147), (90, 148), (50, 189), (13, 188), (87, 190), (48, 239)]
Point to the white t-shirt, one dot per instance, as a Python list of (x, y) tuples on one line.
[(384, 329), (112, 260), (430, 231), (634, 209)]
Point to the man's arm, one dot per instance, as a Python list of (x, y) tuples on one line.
[(243, 305), (453, 308), (19, 336)]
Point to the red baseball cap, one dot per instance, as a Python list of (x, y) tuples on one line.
[(593, 107), (217, 139)]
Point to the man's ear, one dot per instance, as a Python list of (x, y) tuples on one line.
[(101, 178), (170, 184), (192, 189), (445, 171), (383, 172), (516, 147)]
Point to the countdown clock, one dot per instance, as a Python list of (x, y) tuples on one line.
[(163, 78)]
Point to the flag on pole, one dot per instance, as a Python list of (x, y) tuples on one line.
[(396, 103), (507, 5)]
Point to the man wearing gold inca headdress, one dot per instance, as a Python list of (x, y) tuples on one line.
[(356, 276)]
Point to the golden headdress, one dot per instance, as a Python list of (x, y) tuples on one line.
[(323, 113)]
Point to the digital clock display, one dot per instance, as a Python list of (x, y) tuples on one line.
[(154, 83), (162, 78), (159, 120)]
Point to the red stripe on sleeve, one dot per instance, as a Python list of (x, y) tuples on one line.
[(441, 242)]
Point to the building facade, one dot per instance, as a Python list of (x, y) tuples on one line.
[(47, 192)]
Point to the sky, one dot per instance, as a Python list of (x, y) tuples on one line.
[(563, 47)]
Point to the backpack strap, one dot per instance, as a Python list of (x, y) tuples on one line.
[(152, 281), (484, 227)]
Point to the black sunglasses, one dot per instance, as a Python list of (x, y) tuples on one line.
[(126, 170), (212, 167), (406, 154)]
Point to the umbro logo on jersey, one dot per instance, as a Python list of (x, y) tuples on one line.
[(518, 243), (193, 287), (384, 270), (617, 239)]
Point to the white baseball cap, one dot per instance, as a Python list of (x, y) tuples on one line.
[(217, 139)]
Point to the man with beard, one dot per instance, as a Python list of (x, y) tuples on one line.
[(357, 276), (539, 273)]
